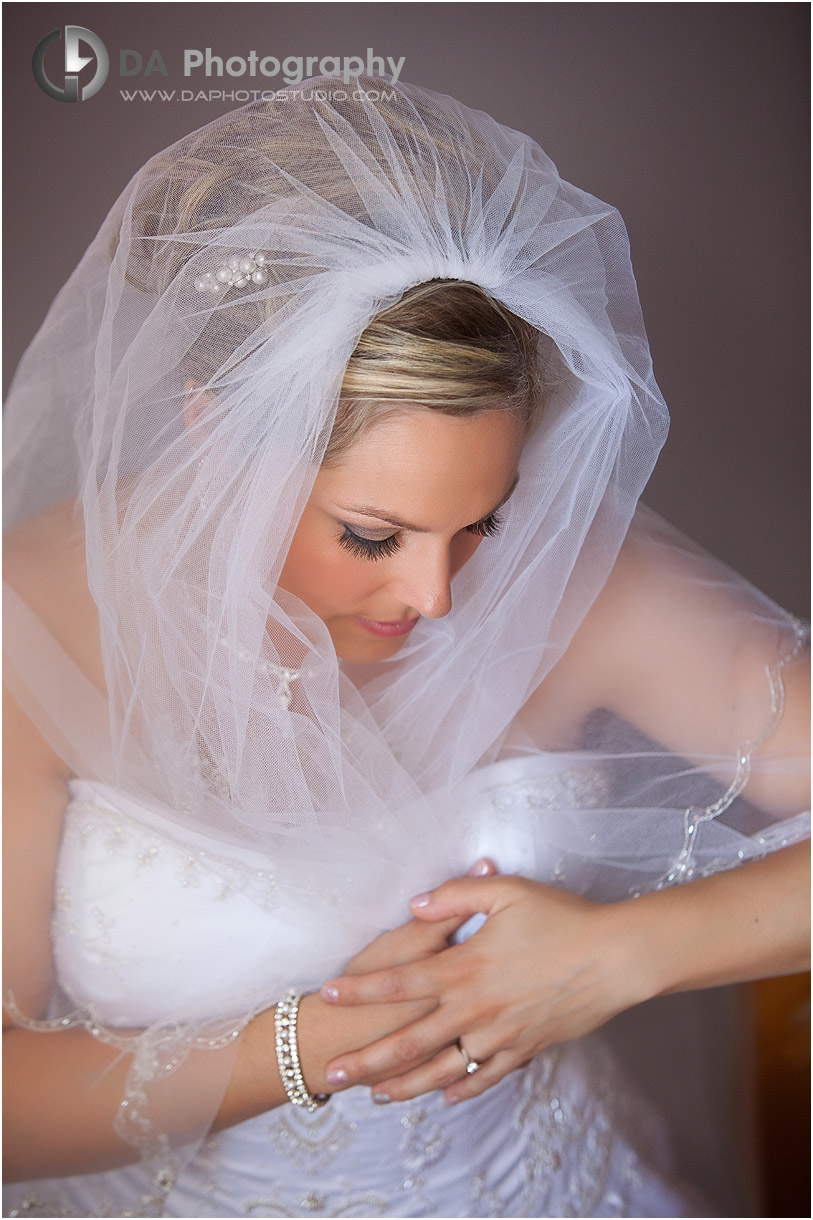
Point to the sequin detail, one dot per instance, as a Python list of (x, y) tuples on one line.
[(314, 1144), (122, 834), (683, 867), (567, 789)]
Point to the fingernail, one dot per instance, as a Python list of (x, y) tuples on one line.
[(420, 900), (331, 994), (480, 869), (453, 1100), (336, 1076), (381, 1099)]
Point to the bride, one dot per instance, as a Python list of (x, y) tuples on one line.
[(368, 745)]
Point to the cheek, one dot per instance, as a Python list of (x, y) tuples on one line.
[(343, 579), (320, 572)]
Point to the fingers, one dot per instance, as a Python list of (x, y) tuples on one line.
[(412, 981), (482, 868), (447, 1071), (424, 978), (435, 935), (406, 1048), (416, 936), (444, 928), (407, 943), (465, 897), (488, 1074), (443, 1070)]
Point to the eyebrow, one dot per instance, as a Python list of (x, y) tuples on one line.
[(365, 510)]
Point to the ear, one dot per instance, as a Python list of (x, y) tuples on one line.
[(196, 402)]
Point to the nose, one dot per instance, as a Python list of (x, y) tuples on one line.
[(425, 581)]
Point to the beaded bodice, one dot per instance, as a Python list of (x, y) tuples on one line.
[(145, 912), (145, 909)]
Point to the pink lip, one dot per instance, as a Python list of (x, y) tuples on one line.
[(388, 629)]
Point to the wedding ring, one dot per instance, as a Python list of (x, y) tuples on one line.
[(472, 1065)]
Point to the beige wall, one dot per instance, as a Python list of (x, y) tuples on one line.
[(690, 118)]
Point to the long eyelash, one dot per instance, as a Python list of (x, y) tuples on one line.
[(488, 527), (372, 548), (368, 548)]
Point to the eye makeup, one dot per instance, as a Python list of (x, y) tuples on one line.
[(381, 548), (368, 548)]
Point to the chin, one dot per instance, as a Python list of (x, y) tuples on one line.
[(363, 651)]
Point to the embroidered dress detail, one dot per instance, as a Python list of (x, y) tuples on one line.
[(552, 1139), (684, 868)]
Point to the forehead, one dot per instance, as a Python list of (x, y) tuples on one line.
[(423, 460)]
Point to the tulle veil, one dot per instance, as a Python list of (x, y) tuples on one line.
[(250, 256)]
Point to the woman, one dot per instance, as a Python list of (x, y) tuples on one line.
[(355, 395)]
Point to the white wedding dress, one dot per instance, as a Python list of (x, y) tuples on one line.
[(563, 1137)]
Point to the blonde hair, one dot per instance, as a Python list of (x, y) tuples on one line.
[(445, 346)]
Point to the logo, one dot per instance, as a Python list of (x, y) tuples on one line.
[(74, 63)]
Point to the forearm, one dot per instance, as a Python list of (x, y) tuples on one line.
[(747, 923), (62, 1091), (323, 1031)]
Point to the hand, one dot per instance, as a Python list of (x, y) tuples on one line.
[(546, 967), (416, 939), (321, 1027)]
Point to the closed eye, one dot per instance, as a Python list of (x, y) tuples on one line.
[(368, 548), (488, 527), (382, 548)]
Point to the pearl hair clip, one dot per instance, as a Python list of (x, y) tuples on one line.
[(237, 272)]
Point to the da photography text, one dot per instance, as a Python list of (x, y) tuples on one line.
[(60, 62)]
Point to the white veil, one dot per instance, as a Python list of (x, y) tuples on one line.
[(336, 201)]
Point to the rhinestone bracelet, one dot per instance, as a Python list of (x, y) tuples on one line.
[(285, 1015)]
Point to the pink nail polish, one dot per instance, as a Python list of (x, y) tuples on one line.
[(479, 869), (381, 1099), (420, 900), (331, 994), (336, 1076), (452, 1101)]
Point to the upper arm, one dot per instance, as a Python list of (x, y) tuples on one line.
[(43, 563), (687, 652), (34, 800)]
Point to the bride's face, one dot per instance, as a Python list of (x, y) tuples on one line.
[(386, 528)]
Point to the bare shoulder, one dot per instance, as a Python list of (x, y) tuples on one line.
[(672, 628), (581, 682), (671, 611), (581, 678)]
